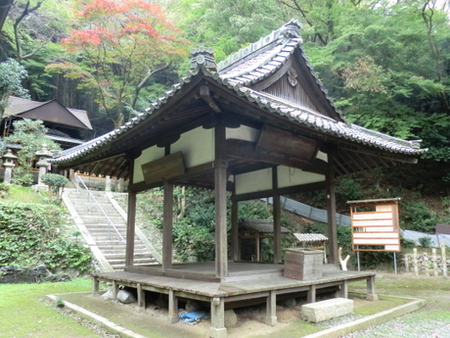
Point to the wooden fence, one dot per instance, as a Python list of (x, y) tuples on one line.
[(433, 265)]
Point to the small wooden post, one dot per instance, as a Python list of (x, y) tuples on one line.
[(444, 260), (407, 262), (218, 329), (95, 286), (371, 295), (115, 288), (311, 296), (173, 307), (140, 296), (435, 262), (415, 262), (271, 305), (344, 289)]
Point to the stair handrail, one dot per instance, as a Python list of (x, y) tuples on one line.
[(92, 197)]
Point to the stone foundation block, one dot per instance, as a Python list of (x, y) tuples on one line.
[(327, 309)]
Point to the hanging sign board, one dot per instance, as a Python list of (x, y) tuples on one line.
[(375, 225)]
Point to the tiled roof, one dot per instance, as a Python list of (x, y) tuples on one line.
[(255, 62)]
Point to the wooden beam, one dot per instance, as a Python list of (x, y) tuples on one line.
[(206, 96), (220, 185), (167, 227), (331, 211)]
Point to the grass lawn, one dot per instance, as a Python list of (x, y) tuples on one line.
[(23, 313)]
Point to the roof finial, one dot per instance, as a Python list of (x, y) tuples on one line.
[(203, 57), (291, 29)]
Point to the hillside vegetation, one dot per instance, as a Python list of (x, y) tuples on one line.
[(32, 232)]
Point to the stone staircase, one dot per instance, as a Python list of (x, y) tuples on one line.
[(102, 224)]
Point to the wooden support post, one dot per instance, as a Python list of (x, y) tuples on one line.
[(173, 307), (220, 186), (235, 245), (167, 227), (311, 297), (140, 296), (218, 329), (276, 217), (131, 223), (344, 289), (95, 286), (271, 314), (331, 212), (371, 295), (115, 288)]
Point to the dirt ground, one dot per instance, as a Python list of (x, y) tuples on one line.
[(152, 322)]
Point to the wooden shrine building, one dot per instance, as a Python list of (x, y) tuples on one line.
[(256, 125)]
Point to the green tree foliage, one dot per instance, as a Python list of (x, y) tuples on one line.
[(29, 236), (117, 48), (12, 74), (228, 25)]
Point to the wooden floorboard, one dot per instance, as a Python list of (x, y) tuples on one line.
[(254, 282)]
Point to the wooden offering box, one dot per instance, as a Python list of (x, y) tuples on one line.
[(303, 264)]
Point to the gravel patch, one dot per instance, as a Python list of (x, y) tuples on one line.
[(408, 326)]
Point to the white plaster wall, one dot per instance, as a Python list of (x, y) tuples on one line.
[(197, 146), (288, 177), (255, 181)]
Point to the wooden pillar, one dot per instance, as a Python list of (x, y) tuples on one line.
[(371, 295), (344, 289), (140, 296), (276, 217), (173, 307), (131, 223), (311, 296), (167, 227), (235, 245), (271, 306), (218, 329), (220, 186), (331, 212), (95, 286)]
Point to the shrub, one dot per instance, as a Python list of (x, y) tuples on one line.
[(425, 242), (54, 182)]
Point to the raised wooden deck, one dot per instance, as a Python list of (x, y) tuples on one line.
[(246, 282)]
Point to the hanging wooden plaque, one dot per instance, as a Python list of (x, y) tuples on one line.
[(164, 168)]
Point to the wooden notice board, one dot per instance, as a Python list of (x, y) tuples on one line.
[(375, 225)]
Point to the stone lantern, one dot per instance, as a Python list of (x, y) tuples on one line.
[(42, 156), (9, 162)]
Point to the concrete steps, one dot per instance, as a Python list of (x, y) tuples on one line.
[(104, 228)]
